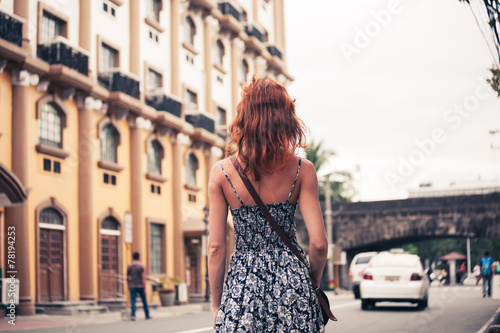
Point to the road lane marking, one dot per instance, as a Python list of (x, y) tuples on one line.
[(486, 326), (204, 329), (345, 305), (210, 329)]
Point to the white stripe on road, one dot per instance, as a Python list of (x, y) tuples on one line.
[(204, 329), (210, 329), (486, 326), (345, 305)]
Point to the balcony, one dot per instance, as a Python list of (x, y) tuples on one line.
[(228, 8), (60, 53), (114, 80), (162, 102), (252, 30), (199, 120), (11, 29), (274, 51)]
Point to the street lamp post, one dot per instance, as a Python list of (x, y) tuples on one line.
[(205, 220)]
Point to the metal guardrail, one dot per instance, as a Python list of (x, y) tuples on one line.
[(163, 102), (11, 29), (228, 8), (59, 52), (115, 80)]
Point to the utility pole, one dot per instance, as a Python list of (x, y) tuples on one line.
[(329, 232), (468, 257)]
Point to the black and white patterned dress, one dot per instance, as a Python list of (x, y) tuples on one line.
[(267, 288)]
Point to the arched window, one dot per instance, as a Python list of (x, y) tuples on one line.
[(109, 143), (155, 151), (189, 31), (244, 71), (220, 52), (191, 167), (51, 216), (50, 126), (110, 223)]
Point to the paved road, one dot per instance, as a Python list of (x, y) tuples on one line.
[(451, 309)]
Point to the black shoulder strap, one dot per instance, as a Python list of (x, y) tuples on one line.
[(268, 215)]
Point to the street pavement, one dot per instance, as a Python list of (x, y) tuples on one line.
[(191, 313)]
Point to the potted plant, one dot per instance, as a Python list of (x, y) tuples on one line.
[(167, 290)]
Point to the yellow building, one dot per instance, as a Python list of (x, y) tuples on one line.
[(112, 113)]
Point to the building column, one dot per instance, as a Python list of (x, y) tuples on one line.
[(174, 48), (237, 47), (22, 9), (135, 66), (136, 188), (208, 47), (279, 25), (178, 142), (255, 10), (84, 26), (86, 224), (17, 217)]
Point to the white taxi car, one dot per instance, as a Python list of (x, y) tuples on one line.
[(394, 277), (358, 265)]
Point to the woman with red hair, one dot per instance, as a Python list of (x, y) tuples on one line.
[(267, 288)]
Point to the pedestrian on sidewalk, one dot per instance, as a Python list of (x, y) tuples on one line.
[(267, 288), (136, 279), (486, 273), (477, 273)]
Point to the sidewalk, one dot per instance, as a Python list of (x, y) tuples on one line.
[(47, 321)]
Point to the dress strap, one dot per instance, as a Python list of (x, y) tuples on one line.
[(225, 174), (296, 176)]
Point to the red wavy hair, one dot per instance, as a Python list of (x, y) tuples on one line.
[(265, 132)]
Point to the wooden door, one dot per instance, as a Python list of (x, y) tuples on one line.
[(110, 284), (51, 265), (193, 266)]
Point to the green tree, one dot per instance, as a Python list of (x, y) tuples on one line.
[(341, 187), (317, 155), (488, 21)]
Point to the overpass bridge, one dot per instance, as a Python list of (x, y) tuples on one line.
[(380, 225)]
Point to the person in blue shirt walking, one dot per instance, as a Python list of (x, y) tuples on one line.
[(486, 272)]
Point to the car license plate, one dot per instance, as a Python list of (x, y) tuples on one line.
[(392, 278)]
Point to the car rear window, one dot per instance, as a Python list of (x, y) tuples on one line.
[(363, 260), (395, 260)]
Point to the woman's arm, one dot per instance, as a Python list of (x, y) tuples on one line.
[(217, 230), (313, 218)]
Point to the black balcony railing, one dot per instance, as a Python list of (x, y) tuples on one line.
[(201, 121), (251, 30), (274, 51), (117, 81), (165, 103), (60, 53), (11, 29), (228, 8)]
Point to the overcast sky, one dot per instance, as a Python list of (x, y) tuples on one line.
[(397, 88)]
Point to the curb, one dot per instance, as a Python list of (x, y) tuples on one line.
[(491, 325)]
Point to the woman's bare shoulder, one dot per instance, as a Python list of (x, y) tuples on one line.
[(307, 167), (216, 172)]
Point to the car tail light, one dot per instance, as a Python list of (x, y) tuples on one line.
[(351, 273), (415, 277), (368, 276)]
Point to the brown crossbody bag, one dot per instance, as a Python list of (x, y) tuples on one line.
[(323, 299)]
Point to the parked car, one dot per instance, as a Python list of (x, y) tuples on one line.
[(358, 264), (394, 277)]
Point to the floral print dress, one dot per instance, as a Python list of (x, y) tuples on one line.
[(267, 288)]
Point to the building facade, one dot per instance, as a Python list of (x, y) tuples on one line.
[(112, 113)]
